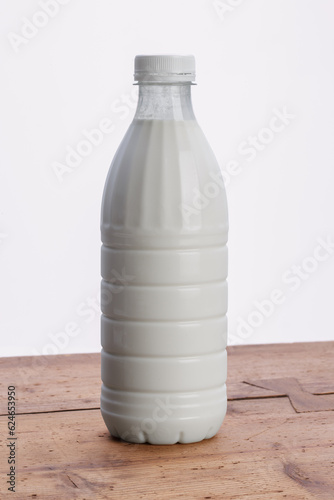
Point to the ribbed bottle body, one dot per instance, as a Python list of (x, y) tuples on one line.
[(164, 291)]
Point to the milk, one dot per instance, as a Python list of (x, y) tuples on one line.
[(164, 291)]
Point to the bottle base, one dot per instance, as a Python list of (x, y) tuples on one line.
[(134, 430)]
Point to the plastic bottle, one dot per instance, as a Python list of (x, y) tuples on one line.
[(164, 266)]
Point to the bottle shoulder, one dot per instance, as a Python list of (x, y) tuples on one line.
[(164, 179)]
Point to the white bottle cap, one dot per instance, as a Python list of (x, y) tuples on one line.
[(164, 68)]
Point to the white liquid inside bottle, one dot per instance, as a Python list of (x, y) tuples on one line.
[(164, 267)]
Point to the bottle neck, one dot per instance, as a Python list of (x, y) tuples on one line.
[(162, 101)]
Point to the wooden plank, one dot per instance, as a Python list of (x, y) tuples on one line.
[(51, 383), (264, 450), (66, 382), (301, 400), (311, 363)]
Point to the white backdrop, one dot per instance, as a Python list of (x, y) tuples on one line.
[(67, 68)]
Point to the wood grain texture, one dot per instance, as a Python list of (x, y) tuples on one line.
[(300, 399), (265, 450), (52, 383)]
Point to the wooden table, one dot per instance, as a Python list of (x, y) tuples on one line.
[(277, 440)]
